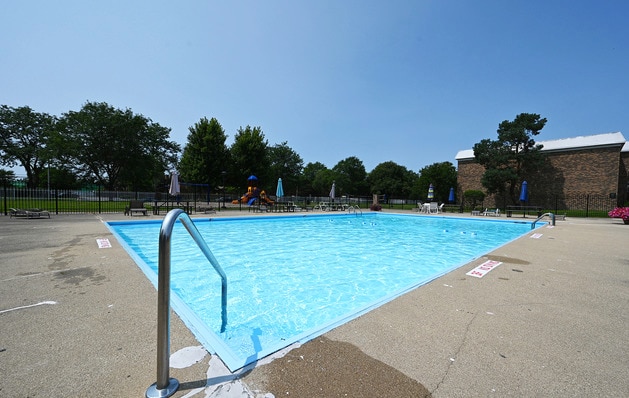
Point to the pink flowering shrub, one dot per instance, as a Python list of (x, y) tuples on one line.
[(620, 212)]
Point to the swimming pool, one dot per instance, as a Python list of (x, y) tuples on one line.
[(293, 278)]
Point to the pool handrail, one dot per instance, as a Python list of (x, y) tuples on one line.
[(166, 386), (552, 219), (355, 209)]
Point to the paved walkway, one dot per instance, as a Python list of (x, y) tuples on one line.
[(77, 320)]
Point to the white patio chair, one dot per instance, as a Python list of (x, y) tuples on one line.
[(434, 208)]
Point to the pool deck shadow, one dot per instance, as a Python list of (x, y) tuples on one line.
[(551, 320)]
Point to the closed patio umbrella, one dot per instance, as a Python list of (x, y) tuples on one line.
[(431, 192), (524, 192), (451, 197), (174, 184), (279, 192), (333, 191)]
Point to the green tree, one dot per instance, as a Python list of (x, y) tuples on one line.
[(287, 165), (58, 176), (205, 155), (25, 138), (308, 177), (473, 197), (442, 176), (6, 176), (250, 155), (116, 148), (322, 182), (392, 179), (351, 177), (513, 156)]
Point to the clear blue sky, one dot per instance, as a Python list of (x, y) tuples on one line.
[(409, 81)]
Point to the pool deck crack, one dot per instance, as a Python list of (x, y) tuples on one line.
[(456, 354)]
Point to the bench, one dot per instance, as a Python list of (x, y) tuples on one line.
[(135, 206), (168, 206), (452, 208), (524, 210)]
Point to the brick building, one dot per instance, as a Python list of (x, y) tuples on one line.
[(594, 165)]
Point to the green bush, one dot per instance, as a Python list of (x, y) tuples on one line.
[(471, 197)]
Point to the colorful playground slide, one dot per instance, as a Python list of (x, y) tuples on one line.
[(253, 193), (250, 199)]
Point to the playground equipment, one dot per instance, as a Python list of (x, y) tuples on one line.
[(253, 193)]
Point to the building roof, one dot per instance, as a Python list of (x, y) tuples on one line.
[(581, 142)]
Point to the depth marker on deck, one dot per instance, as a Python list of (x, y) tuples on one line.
[(484, 268), (103, 243)]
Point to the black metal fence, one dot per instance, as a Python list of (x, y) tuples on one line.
[(63, 201), (577, 205), (590, 205)]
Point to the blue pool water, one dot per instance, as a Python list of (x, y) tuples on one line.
[(293, 278)]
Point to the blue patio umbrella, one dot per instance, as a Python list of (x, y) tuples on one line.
[(451, 197), (524, 192), (431, 192), (279, 192), (252, 178)]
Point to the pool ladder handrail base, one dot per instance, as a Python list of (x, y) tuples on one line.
[(165, 385), (170, 389), (552, 219)]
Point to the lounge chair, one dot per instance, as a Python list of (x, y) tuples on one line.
[(492, 212), (262, 208), (17, 213), (37, 213), (321, 206), (30, 213), (206, 209)]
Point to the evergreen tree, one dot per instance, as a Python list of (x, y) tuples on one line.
[(205, 156), (512, 156)]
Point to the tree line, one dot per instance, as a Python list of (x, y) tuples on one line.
[(120, 150), (98, 144)]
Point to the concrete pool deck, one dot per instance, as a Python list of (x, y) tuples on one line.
[(552, 320)]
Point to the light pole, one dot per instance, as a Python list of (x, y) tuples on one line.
[(48, 166), (223, 173)]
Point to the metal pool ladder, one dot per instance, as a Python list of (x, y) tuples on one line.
[(552, 219), (165, 386), (354, 209)]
